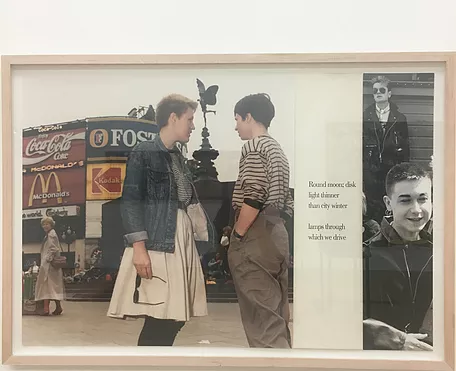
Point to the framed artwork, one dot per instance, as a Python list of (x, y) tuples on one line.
[(125, 216)]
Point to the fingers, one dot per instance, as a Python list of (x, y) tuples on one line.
[(426, 347), (414, 344), (419, 336), (422, 346), (140, 271), (142, 263), (144, 270), (148, 271)]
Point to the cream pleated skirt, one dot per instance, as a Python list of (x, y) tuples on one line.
[(177, 289)]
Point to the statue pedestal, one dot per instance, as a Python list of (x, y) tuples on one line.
[(205, 168), (208, 187)]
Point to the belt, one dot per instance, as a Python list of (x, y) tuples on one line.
[(181, 205)]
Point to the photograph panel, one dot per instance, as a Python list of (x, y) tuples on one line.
[(398, 148), (97, 201)]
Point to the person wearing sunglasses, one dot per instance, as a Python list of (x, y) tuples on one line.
[(385, 144)]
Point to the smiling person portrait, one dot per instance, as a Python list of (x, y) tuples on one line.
[(160, 277), (398, 266)]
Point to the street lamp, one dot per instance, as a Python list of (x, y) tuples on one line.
[(69, 236)]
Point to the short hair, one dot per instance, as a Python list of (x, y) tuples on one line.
[(227, 229), (404, 171), (258, 105), (173, 103), (382, 80), (48, 219)]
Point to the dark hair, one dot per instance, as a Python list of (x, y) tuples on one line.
[(259, 106), (174, 103), (404, 171)]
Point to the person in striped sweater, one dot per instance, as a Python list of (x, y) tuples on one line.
[(259, 251)]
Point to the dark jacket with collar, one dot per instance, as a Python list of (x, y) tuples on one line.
[(397, 279), (384, 150), (149, 199)]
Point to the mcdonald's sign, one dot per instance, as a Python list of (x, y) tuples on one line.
[(45, 195), (54, 188)]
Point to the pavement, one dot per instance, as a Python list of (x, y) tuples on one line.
[(86, 323)]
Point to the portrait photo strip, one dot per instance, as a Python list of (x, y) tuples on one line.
[(397, 233)]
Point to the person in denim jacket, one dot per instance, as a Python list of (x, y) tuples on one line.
[(160, 276)]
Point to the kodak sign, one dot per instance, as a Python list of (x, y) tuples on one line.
[(105, 181)]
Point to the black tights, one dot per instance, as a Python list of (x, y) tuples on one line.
[(159, 332)]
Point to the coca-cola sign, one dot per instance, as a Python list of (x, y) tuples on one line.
[(54, 147)]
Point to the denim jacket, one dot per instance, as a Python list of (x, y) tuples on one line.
[(149, 199)]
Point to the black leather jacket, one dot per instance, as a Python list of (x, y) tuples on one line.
[(397, 279), (383, 151)]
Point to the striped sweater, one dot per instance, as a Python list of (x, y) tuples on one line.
[(264, 176)]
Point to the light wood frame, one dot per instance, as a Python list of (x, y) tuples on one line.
[(8, 63)]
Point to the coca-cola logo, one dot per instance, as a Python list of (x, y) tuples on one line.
[(43, 147)]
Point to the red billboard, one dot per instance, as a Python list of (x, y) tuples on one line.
[(105, 181), (52, 148), (53, 188)]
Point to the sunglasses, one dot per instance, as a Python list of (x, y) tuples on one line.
[(381, 90), (136, 292)]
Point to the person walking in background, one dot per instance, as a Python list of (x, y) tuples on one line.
[(259, 247), (49, 283), (160, 275)]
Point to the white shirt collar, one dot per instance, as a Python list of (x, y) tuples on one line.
[(386, 109)]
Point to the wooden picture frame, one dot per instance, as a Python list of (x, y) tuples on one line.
[(249, 357)]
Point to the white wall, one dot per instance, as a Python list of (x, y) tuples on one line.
[(144, 26), (93, 218)]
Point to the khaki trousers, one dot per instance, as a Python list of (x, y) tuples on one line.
[(259, 267)]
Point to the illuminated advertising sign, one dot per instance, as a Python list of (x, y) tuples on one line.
[(116, 137), (105, 181), (52, 167), (55, 188), (59, 147), (58, 211)]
